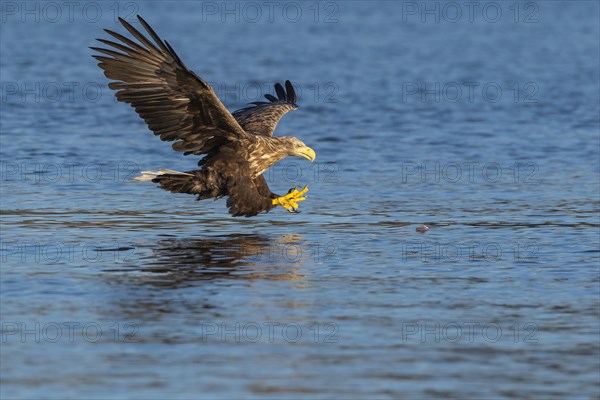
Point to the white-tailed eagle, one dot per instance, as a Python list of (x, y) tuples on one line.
[(180, 106)]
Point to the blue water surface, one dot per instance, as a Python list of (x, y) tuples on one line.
[(482, 124)]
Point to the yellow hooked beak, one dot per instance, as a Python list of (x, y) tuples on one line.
[(306, 152)]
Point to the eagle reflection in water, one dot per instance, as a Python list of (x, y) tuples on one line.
[(175, 261)]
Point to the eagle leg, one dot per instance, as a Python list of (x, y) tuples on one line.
[(290, 200)]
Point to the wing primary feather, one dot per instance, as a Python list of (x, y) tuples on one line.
[(291, 93), (192, 73), (269, 97), (104, 59), (126, 41), (117, 46), (138, 35), (149, 29), (115, 54), (280, 92), (172, 52)]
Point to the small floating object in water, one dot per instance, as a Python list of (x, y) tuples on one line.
[(422, 229)]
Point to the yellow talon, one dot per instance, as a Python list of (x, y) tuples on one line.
[(290, 200)]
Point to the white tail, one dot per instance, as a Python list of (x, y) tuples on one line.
[(149, 175)]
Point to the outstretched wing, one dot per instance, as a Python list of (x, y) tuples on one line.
[(175, 102), (262, 117)]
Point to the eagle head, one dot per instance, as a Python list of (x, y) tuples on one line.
[(295, 147)]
